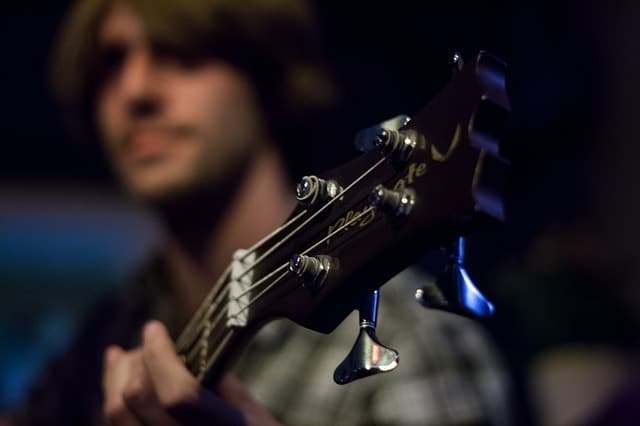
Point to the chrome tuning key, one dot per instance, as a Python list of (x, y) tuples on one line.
[(367, 137), (454, 291), (367, 356), (457, 61), (397, 144), (398, 203), (311, 190), (391, 138), (313, 270)]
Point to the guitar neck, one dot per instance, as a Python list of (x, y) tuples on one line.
[(206, 342)]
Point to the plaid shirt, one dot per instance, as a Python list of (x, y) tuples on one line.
[(448, 371)]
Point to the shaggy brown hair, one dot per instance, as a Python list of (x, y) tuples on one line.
[(276, 42)]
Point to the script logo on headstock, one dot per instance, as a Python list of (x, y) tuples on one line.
[(364, 217), (359, 218), (415, 170), (440, 157)]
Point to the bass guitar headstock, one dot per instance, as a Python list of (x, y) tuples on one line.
[(421, 183)]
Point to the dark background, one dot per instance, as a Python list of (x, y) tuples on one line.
[(66, 235)]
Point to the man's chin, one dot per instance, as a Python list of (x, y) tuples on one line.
[(186, 193), (183, 185), (159, 193)]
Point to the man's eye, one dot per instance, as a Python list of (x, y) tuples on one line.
[(112, 58)]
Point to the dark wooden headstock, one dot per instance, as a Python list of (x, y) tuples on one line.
[(443, 175), (454, 174)]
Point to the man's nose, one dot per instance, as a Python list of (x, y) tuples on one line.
[(139, 86)]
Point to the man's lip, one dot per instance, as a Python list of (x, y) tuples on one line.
[(148, 142)]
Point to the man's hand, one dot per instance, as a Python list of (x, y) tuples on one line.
[(151, 386)]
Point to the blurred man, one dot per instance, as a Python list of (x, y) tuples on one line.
[(200, 106)]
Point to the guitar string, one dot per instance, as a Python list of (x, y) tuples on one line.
[(184, 338), (217, 323), (214, 356), (261, 280), (195, 321), (198, 324), (216, 304), (191, 356), (195, 318), (263, 241), (226, 290), (218, 319), (313, 216), (315, 245)]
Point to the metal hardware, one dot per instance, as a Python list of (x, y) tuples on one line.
[(366, 138), (312, 189), (454, 291), (313, 270), (397, 144), (458, 62), (399, 203), (367, 356)]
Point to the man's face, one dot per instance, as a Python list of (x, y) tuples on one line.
[(169, 128)]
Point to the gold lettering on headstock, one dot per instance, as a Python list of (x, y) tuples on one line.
[(415, 170), (351, 219), (365, 216)]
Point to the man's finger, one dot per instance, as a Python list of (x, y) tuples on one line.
[(173, 383), (114, 376), (139, 394), (177, 390)]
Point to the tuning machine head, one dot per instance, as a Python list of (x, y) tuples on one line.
[(458, 62), (369, 137), (454, 291), (396, 203), (367, 356), (312, 190), (312, 270)]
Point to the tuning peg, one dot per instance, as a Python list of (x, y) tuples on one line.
[(458, 62), (397, 203), (312, 270), (367, 356), (454, 291), (369, 138), (312, 189)]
